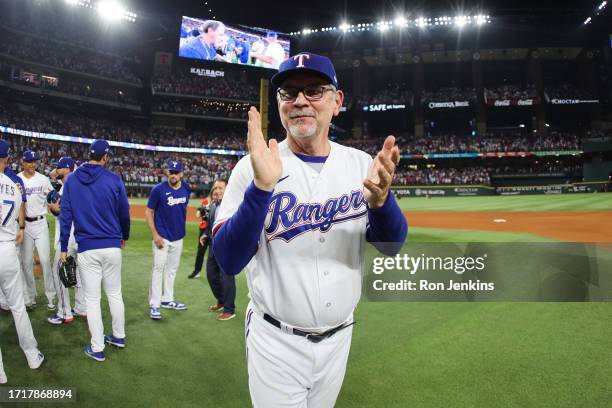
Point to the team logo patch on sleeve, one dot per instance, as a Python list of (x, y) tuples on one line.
[(290, 218)]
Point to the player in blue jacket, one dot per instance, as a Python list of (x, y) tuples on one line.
[(94, 199)]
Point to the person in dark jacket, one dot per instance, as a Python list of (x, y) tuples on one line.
[(223, 286), (95, 201)]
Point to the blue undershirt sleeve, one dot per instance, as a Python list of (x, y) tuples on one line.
[(235, 241), (388, 227)]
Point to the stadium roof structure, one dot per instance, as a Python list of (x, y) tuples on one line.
[(513, 23), (292, 16)]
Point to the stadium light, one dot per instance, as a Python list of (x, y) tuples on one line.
[(113, 11), (587, 21), (602, 5), (110, 10), (400, 21)]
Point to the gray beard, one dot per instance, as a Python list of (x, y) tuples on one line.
[(296, 132)]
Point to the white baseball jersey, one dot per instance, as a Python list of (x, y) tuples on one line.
[(37, 188), (10, 279), (276, 51), (308, 268), (10, 204)]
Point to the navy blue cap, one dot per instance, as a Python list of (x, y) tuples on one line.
[(5, 149), (65, 162), (272, 34), (29, 156), (100, 147), (174, 165), (306, 62)]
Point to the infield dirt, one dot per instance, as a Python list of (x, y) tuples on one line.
[(571, 226)]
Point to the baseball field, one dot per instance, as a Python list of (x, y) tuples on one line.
[(504, 354)]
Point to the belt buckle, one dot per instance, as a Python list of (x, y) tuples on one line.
[(315, 338)]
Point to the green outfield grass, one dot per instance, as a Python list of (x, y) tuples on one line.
[(403, 354), (561, 202), (194, 202)]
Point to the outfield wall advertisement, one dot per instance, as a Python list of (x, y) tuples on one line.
[(480, 190)]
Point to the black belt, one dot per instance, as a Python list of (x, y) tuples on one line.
[(32, 219), (314, 337)]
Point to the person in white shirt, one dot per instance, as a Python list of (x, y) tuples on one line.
[(10, 282), (36, 230), (274, 54)]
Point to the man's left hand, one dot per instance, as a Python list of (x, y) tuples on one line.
[(380, 175), (19, 237)]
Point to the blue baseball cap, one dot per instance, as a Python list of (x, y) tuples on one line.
[(5, 149), (272, 34), (29, 156), (100, 147), (174, 165), (306, 62), (65, 162)]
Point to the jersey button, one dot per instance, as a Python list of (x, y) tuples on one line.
[(326, 273), (328, 304), (322, 240)]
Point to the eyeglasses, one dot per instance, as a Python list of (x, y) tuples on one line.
[(311, 92)]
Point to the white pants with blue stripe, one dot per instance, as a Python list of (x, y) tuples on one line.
[(289, 371), (101, 268), (166, 262)]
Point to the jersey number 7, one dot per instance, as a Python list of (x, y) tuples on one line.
[(12, 204)]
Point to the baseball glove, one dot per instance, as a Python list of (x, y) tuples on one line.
[(57, 186), (53, 196), (67, 272)]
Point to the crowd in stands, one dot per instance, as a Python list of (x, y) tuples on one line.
[(230, 88), (233, 110), (396, 93), (476, 175), (464, 144), (98, 92), (48, 21), (538, 167), (62, 55), (42, 79), (36, 120), (134, 166), (441, 176), (449, 94), (226, 136), (566, 91), (512, 92), (144, 166)]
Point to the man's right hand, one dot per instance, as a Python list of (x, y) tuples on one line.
[(203, 239), (158, 241), (265, 159), (62, 257)]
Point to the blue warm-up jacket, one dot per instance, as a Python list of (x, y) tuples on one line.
[(94, 199)]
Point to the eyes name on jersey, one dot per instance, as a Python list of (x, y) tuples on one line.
[(289, 218), (7, 189)]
